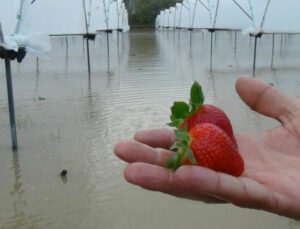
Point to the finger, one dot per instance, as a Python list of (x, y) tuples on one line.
[(156, 178), (163, 138), (132, 151), (265, 99), (243, 192)]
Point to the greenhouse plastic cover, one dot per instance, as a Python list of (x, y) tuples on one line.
[(125, 25), (226, 14), (186, 15), (202, 17), (172, 15), (121, 8), (178, 14), (35, 43), (167, 18), (66, 17), (113, 12), (16, 34), (280, 16), (157, 21), (162, 18), (123, 16), (8, 15), (95, 16)]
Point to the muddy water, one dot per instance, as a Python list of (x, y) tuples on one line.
[(67, 119)]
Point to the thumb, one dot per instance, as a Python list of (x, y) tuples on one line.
[(265, 99)]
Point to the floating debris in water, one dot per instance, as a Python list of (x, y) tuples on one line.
[(63, 173), (41, 98)]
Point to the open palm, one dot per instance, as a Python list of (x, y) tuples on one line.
[(271, 181)]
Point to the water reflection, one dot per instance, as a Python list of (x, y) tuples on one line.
[(19, 218), (17, 193)]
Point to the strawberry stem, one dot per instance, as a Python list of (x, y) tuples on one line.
[(174, 162), (181, 146), (179, 112)]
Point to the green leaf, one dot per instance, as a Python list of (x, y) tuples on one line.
[(180, 110), (175, 123), (196, 97)]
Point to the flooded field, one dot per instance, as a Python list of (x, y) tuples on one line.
[(69, 120)]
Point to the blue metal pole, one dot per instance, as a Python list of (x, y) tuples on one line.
[(273, 47), (254, 56), (11, 105), (108, 52), (88, 54), (211, 50)]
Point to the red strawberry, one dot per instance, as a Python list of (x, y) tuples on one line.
[(209, 146), (209, 114), (189, 115)]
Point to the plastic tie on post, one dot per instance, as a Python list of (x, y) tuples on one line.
[(90, 36), (109, 31), (12, 54)]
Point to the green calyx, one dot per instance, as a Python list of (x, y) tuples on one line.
[(182, 148), (181, 110)]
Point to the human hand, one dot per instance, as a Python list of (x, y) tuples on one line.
[(271, 180)]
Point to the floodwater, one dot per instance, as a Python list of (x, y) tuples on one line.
[(69, 120)]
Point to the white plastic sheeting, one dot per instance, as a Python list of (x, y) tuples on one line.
[(186, 15), (157, 22), (275, 16), (113, 15), (172, 14), (27, 23), (107, 15), (164, 19), (167, 18), (230, 14), (202, 16), (252, 16), (125, 24), (8, 15), (116, 15), (18, 28), (120, 11), (55, 18), (95, 16), (178, 9), (123, 17), (110, 13), (64, 17)]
